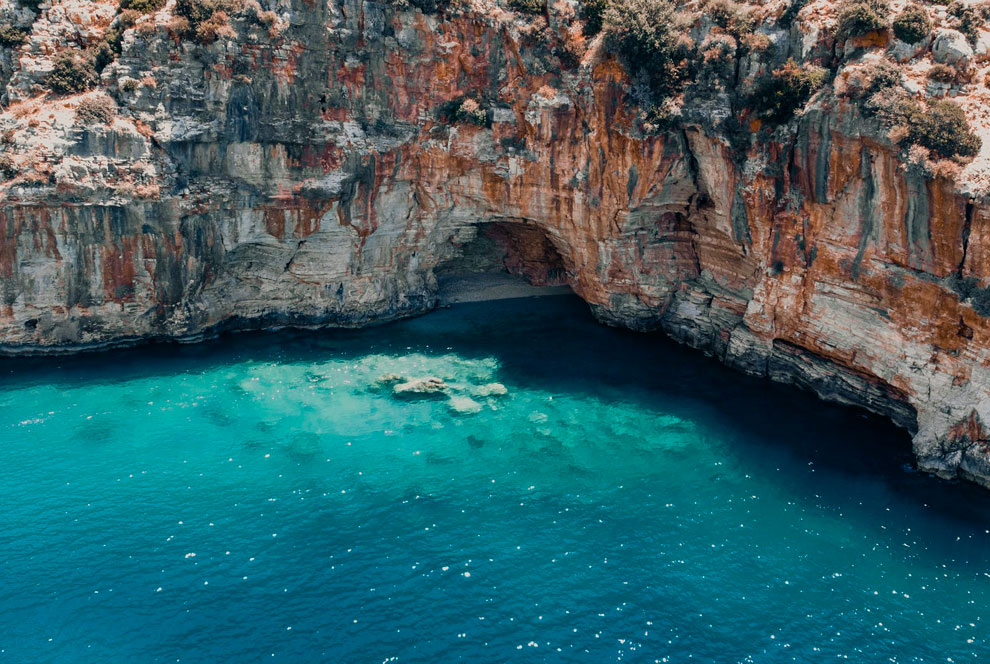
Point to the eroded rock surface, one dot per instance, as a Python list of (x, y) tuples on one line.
[(305, 175)]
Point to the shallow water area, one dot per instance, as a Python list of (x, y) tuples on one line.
[(269, 497)]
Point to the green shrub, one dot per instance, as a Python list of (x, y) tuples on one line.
[(788, 89), (216, 26), (195, 11), (942, 73), (968, 288), (527, 6), (568, 53), (718, 59), (912, 25), (471, 112), (787, 18), (892, 107), (463, 110), (206, 20), (266, 19), (941, 126), (964, 287), (644, 35), (107, 50), (732, 17), (966, 19), (593, 15), (877, 89), (981, 301), (11, 36), (128, 18), (143, 6), (102, 54), (944, 130), (861, 17), (425, 6), (721, 12), (72, 72), (7, 167), (755, 42), (881, 76), (99, 109)]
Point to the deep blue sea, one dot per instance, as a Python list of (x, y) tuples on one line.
[(266, 498)]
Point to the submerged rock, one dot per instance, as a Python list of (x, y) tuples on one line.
[(388, 380), (536, 417), (491, 390), (464, 405)]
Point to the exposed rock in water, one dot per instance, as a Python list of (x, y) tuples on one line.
[(319, 167), (389, 380), (420, 387), (491, 390)]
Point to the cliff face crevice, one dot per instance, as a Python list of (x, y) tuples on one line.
[(317, 177)]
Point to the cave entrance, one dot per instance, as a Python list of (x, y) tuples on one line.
[(501, 261)]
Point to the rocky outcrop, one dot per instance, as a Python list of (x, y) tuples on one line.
[(950, 47), (313, 175)]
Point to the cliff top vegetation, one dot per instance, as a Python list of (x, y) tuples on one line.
[(739, 69)]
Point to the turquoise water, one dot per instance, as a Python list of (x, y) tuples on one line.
[(264, 498)]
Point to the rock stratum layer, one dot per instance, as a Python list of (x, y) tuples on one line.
[(303, 174)]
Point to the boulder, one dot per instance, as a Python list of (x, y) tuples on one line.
[(902, 51), (983, 46), (386, 382), (912, 87), (950, 47)]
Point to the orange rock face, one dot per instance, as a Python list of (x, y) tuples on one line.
[(321, 177)]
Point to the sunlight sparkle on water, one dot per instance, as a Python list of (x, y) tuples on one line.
[(573, 493)]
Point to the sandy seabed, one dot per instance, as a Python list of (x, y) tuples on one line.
[(491, 286)]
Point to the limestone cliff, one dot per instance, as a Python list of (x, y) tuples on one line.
[(315, 166)]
